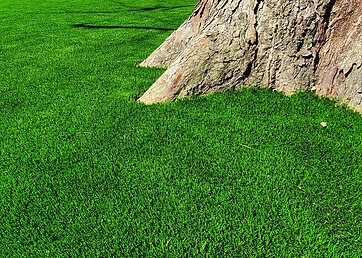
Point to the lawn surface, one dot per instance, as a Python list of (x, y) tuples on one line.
[(87, 171)]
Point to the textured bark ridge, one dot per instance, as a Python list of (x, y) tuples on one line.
[(339, 72), (284, 45)]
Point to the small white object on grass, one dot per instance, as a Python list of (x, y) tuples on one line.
[(324, 124)]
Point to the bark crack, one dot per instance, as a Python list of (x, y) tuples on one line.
[(350, 70), (322, 41)]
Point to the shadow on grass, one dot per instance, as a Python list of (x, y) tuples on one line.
[(76, 12), (130, 8), (118, 27), (159, 8), (135, 9)]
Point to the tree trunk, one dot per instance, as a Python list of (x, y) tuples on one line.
[(284, 45)]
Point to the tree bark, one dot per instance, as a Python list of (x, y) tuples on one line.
[(284, 45)]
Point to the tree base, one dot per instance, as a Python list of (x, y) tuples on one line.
[(284, 45)]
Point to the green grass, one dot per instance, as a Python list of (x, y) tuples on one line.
[(87, 171)]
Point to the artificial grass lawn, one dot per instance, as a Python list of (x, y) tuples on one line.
[(87, 171)]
